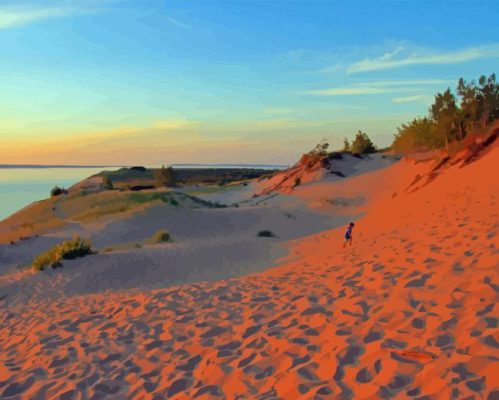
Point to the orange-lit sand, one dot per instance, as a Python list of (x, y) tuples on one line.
[(408, 311)]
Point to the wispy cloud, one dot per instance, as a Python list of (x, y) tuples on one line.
[(333, 68), (419, 98), (401, 57), (378, 87), (176, 22), (278, 110), (409, 82), (12, 16)]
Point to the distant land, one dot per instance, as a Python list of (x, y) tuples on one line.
[(265, 166), (15, 166)]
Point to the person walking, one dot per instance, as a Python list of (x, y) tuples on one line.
[(348, 235)]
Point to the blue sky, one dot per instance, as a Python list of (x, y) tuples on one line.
[(151, 82)]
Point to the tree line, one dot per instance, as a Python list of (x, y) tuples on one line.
[(452, 116)]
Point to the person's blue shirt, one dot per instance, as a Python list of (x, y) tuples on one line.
[(348, 233)]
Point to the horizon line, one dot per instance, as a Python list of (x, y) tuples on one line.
[(13, 166)]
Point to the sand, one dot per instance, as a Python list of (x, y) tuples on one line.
[(409, 311)]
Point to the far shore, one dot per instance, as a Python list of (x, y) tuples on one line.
[(189, 166)]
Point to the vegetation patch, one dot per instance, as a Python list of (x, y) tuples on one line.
[(67, 250), (161, 236), (57, 191), (452, 117), (266, 233)]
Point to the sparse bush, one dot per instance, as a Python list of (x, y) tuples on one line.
[(346, 145), (57, 191), (266, 233), (161, 236), (165, 176), (174, 202), (67, 250), (320, 150)]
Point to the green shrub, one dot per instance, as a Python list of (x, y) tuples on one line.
[(67, 250), (57, 191), (266, 233), (161, 236)]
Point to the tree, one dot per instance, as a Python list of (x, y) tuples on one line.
[(489, 92), (165, 176), (346, 145), (362, 144), (444, 113), (471, 104)]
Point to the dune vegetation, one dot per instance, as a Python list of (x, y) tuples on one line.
[(67, 250), (161, 236)]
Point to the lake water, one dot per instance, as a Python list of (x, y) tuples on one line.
[(20, 187)]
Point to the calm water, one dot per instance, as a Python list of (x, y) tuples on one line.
[(19, 187)]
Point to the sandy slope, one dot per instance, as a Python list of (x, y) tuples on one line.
[(407, 312)]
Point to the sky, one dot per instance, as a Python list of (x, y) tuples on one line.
[(150, 82)]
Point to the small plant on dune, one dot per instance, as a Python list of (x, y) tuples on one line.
[(67, 250), (45, 260), (320, 150), (161, 236), (266, 233), (57, 191), (107, 183)]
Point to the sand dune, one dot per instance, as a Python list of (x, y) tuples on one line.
[(407, 312)]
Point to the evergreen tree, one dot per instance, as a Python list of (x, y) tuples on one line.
[(362, 144)]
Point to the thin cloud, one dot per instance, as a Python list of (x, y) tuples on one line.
[(395, 59), (278, 110), (415, 82), (176, 22), (419, 98), (378, 87), (333, 68), (14, 16)]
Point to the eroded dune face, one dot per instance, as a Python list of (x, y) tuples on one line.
[(407, 312)]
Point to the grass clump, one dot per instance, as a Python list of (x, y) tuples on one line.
[(67, 250), (266, 233), (161, 236)]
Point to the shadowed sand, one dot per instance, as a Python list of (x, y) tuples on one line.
[(407, 312)]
